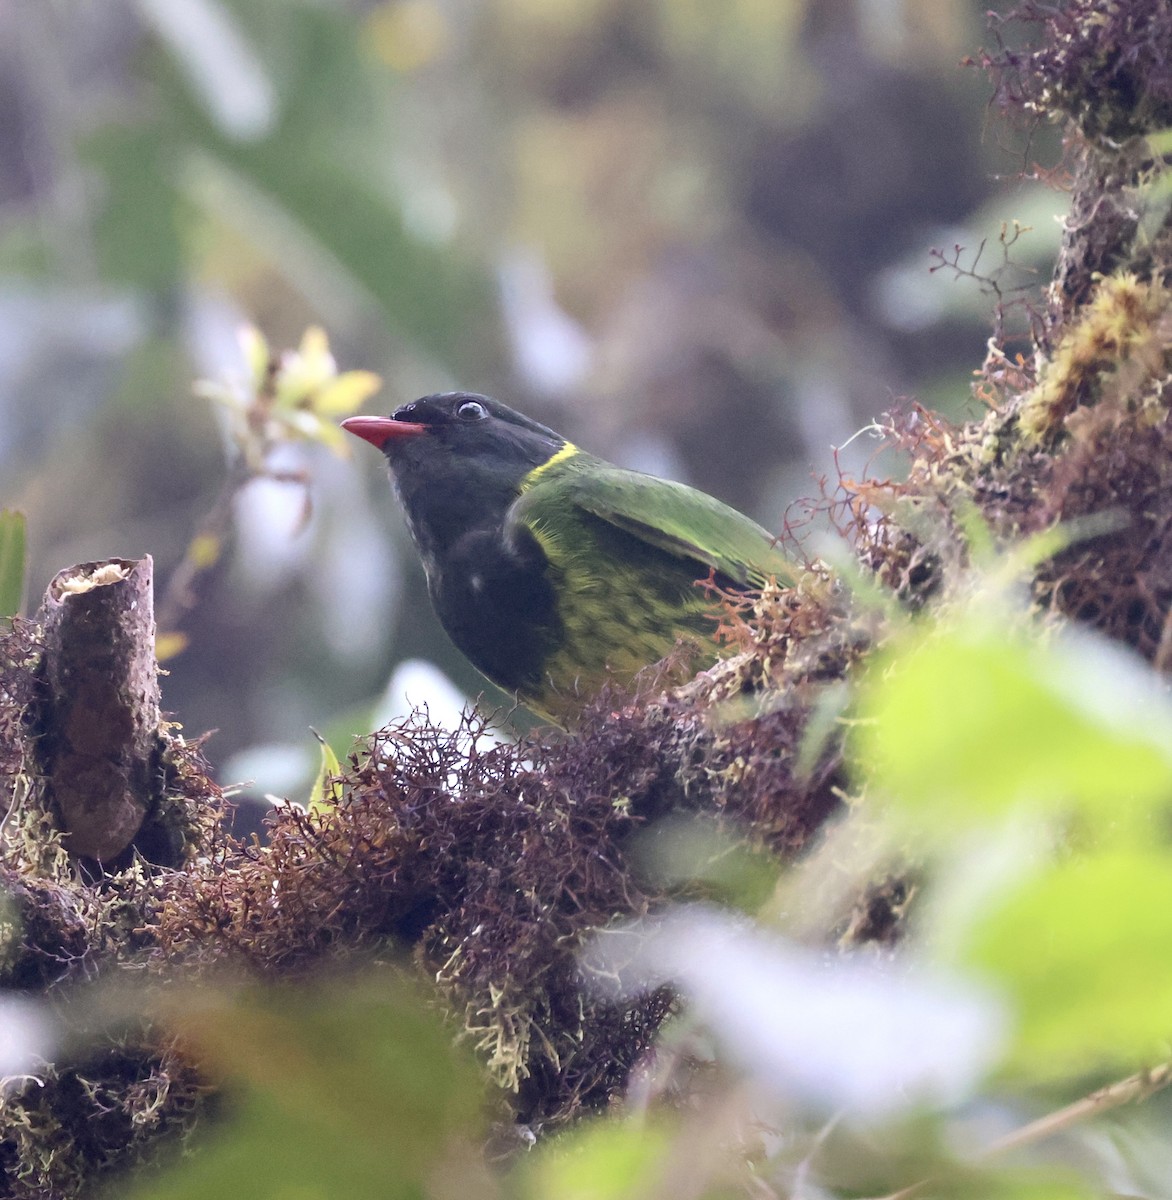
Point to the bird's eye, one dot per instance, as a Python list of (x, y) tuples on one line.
[(472, 410)]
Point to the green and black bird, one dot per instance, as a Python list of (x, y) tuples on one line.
[(552, 570)]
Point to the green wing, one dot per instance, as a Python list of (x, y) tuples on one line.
[(667, 515)]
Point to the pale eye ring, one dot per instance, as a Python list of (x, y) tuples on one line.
[(471, 410)]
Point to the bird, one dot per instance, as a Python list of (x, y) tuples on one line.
[(555, 572)]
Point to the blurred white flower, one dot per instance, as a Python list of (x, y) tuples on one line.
[(841, 1033), (26, 1039), (551, 350), (418, 684), (272, 519), (272, 768)]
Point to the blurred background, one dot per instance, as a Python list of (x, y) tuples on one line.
[(694, 237)]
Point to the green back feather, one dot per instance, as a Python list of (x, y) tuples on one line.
[(669, 516)]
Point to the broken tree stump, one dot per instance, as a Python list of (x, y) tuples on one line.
[(99, 717)]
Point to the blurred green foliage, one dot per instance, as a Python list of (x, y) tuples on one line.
[(983, 728), (350, 1089), (1064, 721), (13, 561), (1082, 944)]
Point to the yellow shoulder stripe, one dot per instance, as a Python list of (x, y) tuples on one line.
[(567, 451)]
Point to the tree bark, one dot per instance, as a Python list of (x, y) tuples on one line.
[(99, 718)]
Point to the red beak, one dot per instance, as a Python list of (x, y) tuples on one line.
[(380, 430)]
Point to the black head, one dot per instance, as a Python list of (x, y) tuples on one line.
[(458, 460)]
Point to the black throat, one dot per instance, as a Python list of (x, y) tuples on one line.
[(488, 580)]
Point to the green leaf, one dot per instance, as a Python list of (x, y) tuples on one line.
[(326, 791), (1085, 950), (965, 721), (352, 1089), (605, 1161), (13, 561)]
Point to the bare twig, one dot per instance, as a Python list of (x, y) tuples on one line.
[(1134, 1089)]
